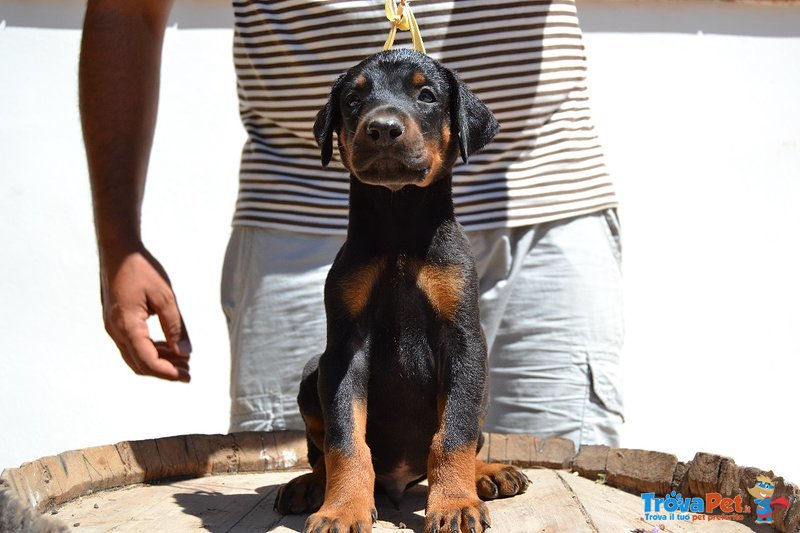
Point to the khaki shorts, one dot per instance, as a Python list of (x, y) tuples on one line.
[(551, 308)]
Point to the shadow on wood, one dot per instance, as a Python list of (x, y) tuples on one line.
[(220, 512)]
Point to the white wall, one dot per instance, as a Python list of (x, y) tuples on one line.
[(63, 386), (698, 107), (696, 103)]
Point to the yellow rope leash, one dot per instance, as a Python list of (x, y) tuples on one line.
[(402, 18)]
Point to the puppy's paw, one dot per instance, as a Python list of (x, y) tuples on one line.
[(465, 515), (497, 480), (341, 520), (303, 494)]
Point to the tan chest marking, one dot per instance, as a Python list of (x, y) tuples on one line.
[(443, 286), (356, 287)]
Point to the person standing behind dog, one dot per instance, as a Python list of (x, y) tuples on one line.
[(538, 203)]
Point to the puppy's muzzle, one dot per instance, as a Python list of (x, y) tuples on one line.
[(388, 149)]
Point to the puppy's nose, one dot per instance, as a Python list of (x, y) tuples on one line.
[(384, 131)]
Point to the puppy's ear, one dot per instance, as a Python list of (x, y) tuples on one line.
[(328, 121), (470, 119)]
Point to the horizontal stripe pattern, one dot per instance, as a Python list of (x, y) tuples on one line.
[(524, 59)]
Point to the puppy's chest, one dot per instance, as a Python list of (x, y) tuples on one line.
[(402, 288)]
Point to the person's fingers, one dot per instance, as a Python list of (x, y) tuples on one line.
[(177, 348), (145, 351), (172, 324), (178, 360)]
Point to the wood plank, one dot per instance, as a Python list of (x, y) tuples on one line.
[(547, 506)]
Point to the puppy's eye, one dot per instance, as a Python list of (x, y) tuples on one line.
[(353, 100), (427, 96)]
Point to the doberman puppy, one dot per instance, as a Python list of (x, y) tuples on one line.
[(400, 392)]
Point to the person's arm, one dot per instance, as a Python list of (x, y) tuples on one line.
[(118, 85)]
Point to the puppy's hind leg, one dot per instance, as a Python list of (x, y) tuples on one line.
[(304, 494)]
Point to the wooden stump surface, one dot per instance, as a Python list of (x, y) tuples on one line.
[(228, 483), (556, 501)]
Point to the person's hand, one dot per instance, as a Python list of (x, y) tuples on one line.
[(134, 286)]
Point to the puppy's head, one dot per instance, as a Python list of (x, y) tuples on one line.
[(402, 119)]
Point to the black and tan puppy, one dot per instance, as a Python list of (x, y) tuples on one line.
[(400, 392)]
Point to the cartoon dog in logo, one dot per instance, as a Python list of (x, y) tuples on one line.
[(762, 496)]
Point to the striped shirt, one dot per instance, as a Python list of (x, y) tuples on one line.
[(523, 58)]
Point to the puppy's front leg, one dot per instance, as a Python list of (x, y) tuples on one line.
[(453, 502), (349, 489)]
